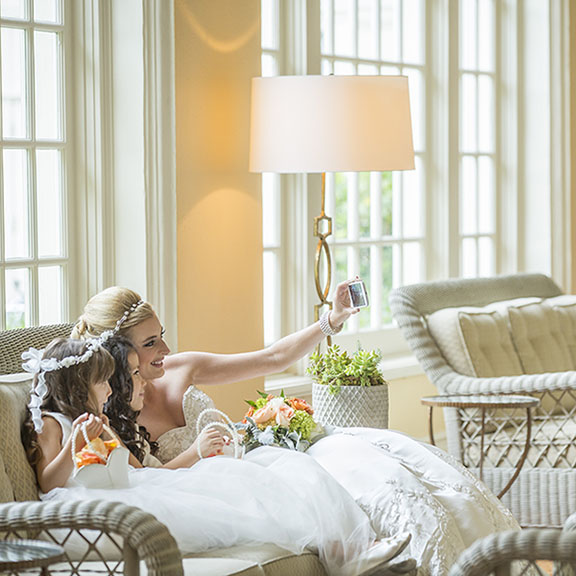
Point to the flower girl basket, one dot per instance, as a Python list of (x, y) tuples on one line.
[(111, 473), (221, 420)]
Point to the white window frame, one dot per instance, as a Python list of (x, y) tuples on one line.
[(522, 205)]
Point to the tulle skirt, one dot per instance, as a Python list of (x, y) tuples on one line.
[(273, 495)]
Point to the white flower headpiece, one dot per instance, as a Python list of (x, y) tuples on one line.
[(35, 364)]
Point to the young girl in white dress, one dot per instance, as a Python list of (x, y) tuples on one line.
[(400, 483), (281, 497)]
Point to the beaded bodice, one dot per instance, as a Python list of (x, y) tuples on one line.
[(175, 441)]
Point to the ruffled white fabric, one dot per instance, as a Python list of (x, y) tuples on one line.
[(400, 483), (274, 496)]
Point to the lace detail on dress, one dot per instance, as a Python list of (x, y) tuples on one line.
[(175, 441)]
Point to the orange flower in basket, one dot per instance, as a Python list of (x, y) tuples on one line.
[(97, 453)]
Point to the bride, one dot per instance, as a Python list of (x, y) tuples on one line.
[(402, 484)]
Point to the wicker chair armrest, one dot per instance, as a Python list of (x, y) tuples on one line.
[(498, 551), (454, 383), (144, 537)]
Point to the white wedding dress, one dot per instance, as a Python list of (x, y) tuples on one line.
[(402, 485), (276, 496)]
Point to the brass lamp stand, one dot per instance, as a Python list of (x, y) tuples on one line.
[(322, 229)]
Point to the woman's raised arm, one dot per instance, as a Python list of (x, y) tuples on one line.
[(201, 368)]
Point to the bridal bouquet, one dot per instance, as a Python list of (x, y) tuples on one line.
[(279, 421)]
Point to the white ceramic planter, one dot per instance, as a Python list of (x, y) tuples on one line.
[(365, 406)]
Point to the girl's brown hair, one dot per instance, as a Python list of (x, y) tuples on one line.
[(69, 389)]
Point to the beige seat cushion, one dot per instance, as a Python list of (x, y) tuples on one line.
[(476, 341), (565, 308), (539, 339), (14, 395)]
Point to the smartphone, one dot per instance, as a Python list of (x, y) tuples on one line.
[(358, 294)]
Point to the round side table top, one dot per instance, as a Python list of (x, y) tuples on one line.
[(23, 554), (480, 401)]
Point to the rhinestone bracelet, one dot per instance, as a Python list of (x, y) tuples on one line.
[(326, 327)]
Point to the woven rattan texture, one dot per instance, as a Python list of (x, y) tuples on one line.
[(553, 439), (142, 535), (516, 553), (365, 406), (14, 342), (19, 474)]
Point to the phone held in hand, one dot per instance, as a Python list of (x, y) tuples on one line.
[(358, 294)]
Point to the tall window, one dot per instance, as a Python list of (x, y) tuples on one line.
[(470, 207), (379, 224), (33, 243), (477, 150)]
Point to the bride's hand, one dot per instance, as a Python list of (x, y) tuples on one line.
[(342, 308), (210, 442)]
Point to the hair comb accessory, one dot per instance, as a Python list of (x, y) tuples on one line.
[(35, 364)]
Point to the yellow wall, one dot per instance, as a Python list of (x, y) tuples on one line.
[(217, 52)]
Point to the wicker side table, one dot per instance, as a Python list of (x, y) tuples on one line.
[(16, 555), (484, 403)]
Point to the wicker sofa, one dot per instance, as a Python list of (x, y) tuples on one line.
[(503, 335), (103, 537)]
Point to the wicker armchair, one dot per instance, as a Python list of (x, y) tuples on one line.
[(545, 492), (528, 552), (103, 537)]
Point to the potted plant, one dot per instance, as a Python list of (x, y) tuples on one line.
[(349, 389)]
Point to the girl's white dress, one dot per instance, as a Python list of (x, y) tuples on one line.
[(275, 496), (400, 483)]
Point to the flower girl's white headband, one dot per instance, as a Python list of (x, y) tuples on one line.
[(35, 364)]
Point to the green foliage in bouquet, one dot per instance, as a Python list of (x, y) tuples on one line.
[(335, 368)]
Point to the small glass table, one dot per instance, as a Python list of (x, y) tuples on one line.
[(16, 555), (483, 403)]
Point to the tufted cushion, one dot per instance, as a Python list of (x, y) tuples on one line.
[(476, 341), (539, 339), (565, 309), (15, 468)]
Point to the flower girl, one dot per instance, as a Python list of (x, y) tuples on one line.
[(282, 497)]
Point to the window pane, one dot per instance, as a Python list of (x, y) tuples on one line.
[(486, 140), (387, 283), (270, 24), (486, 257), (368, 29), (269, 65), (486, 196), (344, 27), (468, 34), (49, 198), (389, 29), (326, 27), (468, 113), (340, 223), (412, 190), (364, 205), (16, 207), (387, 203), (468, 196), (486, 36), (13, 9), (48, 111), (364, 273), (270, 209), (46, 11), (412, 252), (17, 298), (344, 68), (339, 264), (469, 258), (50, 294), (271, 297), (413, 32), (14, 124)]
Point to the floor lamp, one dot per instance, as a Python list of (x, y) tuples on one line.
[(306, 124)]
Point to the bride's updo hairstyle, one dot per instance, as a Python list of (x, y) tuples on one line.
[(104, 310)]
